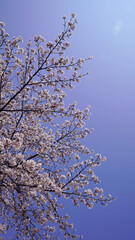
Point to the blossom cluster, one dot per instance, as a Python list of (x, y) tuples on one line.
[(41, 151)]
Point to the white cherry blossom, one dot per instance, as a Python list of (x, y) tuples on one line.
[(42, 156)]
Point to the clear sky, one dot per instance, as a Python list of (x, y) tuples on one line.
[(106, 30)]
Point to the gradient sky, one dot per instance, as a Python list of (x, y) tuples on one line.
[(106, 30)]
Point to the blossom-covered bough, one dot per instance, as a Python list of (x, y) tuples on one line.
[(41, 155)]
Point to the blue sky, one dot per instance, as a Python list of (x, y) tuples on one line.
[(105, 31)]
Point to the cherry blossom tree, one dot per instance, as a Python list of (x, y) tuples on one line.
[(42, 159)]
